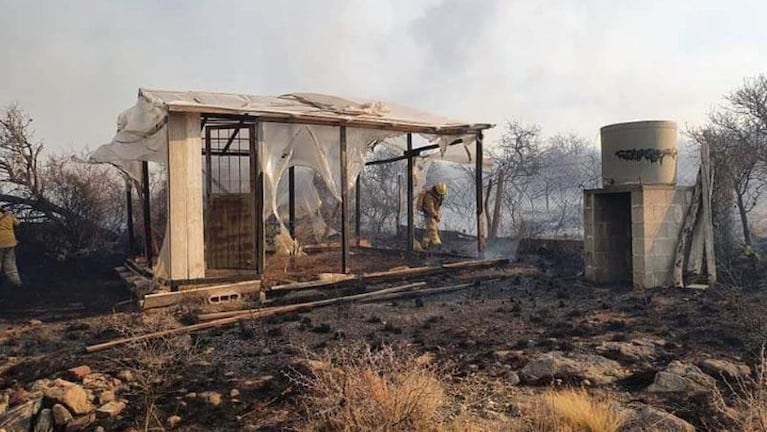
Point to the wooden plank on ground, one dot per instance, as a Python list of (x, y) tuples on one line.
[(247, 315), (151, 301)]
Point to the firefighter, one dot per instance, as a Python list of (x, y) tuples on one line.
[(8, 248), (429, 203)]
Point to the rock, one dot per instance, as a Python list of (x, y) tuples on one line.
[(19, 396), (70, 395), (234, 393), (594, 368), (44, 421), (99, 381), (99, 429), (647, 418), (106, 396), (681, 377), (724, 368), (4, 402), (111, 409), (79, 372), (126, 375), (20, 418), (508, 355), (35, 322), (80, 423), (258, 383), (512, 379), (635, 350), (61, 414), (40, 385), (213, 398), (173, 421)]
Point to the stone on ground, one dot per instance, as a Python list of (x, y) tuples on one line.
[(681, 377), (597, 369), (725, 368), (647, 418)]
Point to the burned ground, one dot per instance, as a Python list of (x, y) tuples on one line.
[(481, 339)]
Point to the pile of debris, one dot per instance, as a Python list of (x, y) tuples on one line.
[(59, 404)]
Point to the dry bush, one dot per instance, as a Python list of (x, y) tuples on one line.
[(575, 411), (357, 389), (153, 363), (748, 400)]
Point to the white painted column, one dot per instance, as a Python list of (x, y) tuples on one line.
[(186, 247)]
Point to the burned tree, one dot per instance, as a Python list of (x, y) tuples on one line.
[(75, 206)]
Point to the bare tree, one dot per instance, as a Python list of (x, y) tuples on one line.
[(78, 202), (380, 194), (737, 137)]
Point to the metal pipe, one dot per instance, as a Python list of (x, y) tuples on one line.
[(410, 213), (358, 208), (480, 202), (129, 204), (292, 201), (147, 213)]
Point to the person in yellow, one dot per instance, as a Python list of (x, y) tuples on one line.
[(8, 248), (429, 203)]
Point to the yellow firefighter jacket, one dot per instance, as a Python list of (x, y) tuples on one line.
[(7, 223)]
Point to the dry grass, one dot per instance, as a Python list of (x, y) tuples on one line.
[(575, 411), (748, 400), (357, 389), (153, 363)]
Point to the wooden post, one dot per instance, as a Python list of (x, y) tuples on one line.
[(358, 208), (257, 192), (344, 202), (147, 213), (185, 242), (292, 201), (129, 208), (708, 227), (686, 235), (399, 204), (410, 212), (478, 180)]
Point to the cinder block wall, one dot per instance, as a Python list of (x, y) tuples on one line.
[(641, 251), (657, 216), (607, 231)]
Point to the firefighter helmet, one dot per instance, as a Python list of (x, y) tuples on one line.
[(440, 188)]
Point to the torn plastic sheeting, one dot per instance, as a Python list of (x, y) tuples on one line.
[(317, 147), (142, 135)]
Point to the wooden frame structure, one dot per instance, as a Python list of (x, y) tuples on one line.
[(188, 125)]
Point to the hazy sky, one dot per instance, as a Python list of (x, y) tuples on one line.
[(565, 65)]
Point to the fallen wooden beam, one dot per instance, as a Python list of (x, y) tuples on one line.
[(391, 275), (477, 264), (423, 292), (244, 316), (170, 298), (335, 300)]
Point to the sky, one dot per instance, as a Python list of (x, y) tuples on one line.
[(567, 66)]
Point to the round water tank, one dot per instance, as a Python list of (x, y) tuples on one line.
[(642, 152)]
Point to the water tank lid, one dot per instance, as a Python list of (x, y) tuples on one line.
[(644, 124)]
